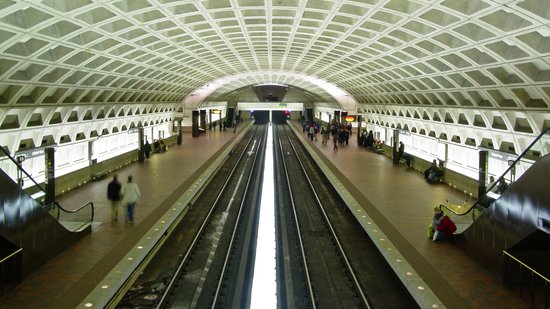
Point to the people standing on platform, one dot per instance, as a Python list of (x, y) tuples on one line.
[(309, 132), (502, 185), (315, 130), (114, 196), (401, 151), (370, 140), (324, 135), (221, 125), (335, 142), (147, 149), (363, 137), (130, 194), (492, 182), (234, 126)]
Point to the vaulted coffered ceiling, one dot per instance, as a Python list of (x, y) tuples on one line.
[(470, 55)]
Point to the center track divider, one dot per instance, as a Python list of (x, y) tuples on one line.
[(112, 287), (416, 286)]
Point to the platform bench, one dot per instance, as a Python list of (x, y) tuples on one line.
[(99, 175)]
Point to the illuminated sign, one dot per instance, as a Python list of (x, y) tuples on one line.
[(216, 111), (350, 118)]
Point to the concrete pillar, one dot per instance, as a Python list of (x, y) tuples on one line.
[(482, 178), (203, 119), (49, 182), (141, 155), (195, 124), (180, 131), (395, 146), (358, 128)]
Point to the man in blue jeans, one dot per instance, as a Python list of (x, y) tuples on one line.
[(130, 194)]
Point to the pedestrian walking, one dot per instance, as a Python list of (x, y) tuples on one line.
[(114, 197), (130, 194)]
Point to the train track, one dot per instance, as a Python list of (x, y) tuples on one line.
[(326, 260), (207, 260)]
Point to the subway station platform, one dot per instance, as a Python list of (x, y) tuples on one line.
[(397, 199)]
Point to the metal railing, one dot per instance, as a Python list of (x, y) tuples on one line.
[(520, 275), (10, 270)]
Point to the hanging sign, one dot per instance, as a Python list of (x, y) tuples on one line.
[(350, 118)]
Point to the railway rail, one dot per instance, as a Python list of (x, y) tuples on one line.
[(322, 245)]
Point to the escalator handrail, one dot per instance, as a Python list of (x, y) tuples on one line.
[(44, 191), (91, 204), (441, 206)]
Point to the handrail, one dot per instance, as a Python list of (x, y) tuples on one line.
[(46, 194), (81, 207), (526, 266), (519, 157), (540, 286), (9, 256)]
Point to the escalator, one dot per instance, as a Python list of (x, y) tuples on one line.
[(514, 218), (31, 222)]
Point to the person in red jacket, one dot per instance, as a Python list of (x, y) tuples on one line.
[(444, 229)]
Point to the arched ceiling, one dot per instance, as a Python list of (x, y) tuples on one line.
[(309, 85), (467, 54)]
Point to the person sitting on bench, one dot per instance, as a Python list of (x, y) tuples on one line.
[(434, 173)]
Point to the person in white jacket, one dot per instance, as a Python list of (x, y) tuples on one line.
[(130, 195)]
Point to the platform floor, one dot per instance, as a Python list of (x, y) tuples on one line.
[(399, 200)]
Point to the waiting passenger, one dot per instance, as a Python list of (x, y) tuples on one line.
[(156, 145), (370, 140), (502, 185), (378, 146), (436, 218), (363, 137), (429, 169), (401, 151), (444, 229), (147, 149), (436, 174), (491, 186)]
